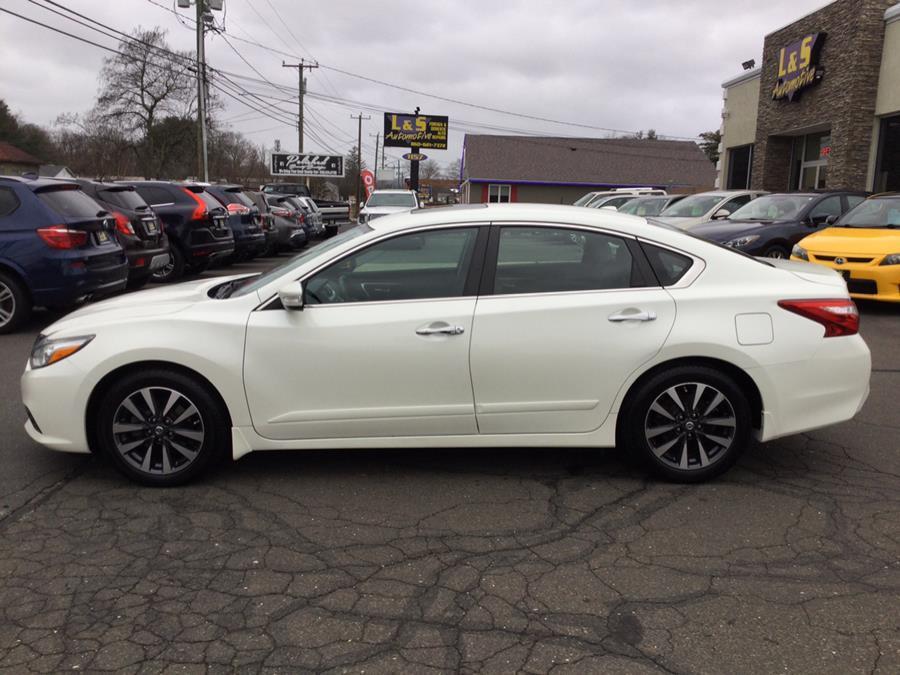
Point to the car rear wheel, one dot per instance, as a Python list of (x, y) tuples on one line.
[(15, 306), (160, 427), (688, 424), (777, 252), (173, 270)]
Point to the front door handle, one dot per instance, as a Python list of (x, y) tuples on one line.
[(633, 315), (440, 329)]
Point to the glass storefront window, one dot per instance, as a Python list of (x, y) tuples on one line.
[(818, 147), (887, 176)]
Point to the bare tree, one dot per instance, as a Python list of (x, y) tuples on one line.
[(140, 88), (429, 169), (453, 169)]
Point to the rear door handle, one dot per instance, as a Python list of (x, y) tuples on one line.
[(632, 316), (440, 329)]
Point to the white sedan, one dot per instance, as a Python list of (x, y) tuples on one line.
[(488, 326)]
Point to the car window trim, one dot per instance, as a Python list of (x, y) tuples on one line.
[(480, 240), (489, 274)]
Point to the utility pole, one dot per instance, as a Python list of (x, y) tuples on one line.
[(359, 118), (375, 165), (414, 165), (202, 157), (303, 65)]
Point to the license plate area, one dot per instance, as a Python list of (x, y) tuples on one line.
[(150, 226), (102, 236)]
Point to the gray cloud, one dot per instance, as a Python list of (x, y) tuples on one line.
[(617, 64)]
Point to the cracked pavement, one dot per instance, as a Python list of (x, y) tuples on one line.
[(422, 561)]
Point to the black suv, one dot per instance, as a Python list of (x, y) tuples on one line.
[(770, 225), (194, 221), (137, 228), (243, 219)]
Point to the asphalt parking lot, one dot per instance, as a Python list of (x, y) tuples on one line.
[(419, 561)]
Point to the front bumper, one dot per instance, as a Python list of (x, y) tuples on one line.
[(865, 280), (56, 400)]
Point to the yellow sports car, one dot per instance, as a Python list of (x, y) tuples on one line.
[(864, 246)]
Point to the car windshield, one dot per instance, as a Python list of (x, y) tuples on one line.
[(874, 213), (391, 199), (693, 206), (585, 199), (126, 198), (644, 206), (252, 284), (773, 207), (70, 202)]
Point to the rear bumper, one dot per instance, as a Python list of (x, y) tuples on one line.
[(76, 276), (207, 243), (143, 262), (827, 388)]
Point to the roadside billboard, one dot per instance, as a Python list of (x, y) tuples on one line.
[(428, 132), (295, 164)]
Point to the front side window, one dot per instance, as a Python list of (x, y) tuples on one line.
[(415, 266), (733, 205), (552, 260), (498, 194), (692, 207)]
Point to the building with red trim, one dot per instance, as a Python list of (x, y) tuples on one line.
[(553, 170)]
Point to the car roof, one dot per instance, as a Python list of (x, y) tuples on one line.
[(404, 192), (37, 182)]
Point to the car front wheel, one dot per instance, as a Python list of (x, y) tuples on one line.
[(160, 427), (688, 424)]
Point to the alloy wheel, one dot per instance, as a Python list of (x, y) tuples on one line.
[(7, 304), (690, 426), (164, 273), (158, 430)]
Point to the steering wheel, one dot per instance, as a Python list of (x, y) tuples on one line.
[(352, 290), (326, 293)]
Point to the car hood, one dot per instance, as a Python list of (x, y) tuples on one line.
[(838, 240), (161, 301), (723, 230), (683, 223), (384, 210)]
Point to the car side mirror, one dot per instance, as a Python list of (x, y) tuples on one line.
[(831, 220), (291, 296), (721, 214)]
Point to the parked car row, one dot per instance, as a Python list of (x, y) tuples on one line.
[(62, 241), (856, 234), (331, 213)]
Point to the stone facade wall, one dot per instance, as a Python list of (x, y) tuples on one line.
[(843, 101)]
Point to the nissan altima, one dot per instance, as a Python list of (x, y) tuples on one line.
[(509, 325)]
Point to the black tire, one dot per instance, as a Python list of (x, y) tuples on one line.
[(169, 436), (139, 283), (15, 303), (174, 270), (651, 410), (778, 252)]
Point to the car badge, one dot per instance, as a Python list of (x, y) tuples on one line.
[(839, 261)]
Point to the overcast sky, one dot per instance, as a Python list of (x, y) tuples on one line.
[(615, 64)]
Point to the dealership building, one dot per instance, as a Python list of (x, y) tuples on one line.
[(823, 108)]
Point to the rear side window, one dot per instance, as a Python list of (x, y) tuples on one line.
[(70, 203), (126, 199), (154, 195), (668, 266), (553, 260), (8, 201)]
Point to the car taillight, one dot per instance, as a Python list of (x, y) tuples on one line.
[(200, 211), (301, 218), (123, 225), (238, 209), (59, 236), (840, 316), (281, 213)]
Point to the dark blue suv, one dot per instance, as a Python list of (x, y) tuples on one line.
[(57, 246)]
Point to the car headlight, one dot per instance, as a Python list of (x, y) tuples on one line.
[(892, 259), (740, 242), (799, 252), (47, 351)]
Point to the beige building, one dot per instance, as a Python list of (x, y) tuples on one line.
[(823, 109)]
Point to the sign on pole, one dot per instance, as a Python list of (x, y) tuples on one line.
[(295, 164), (415, 156), (428, 132), (368, 181)]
